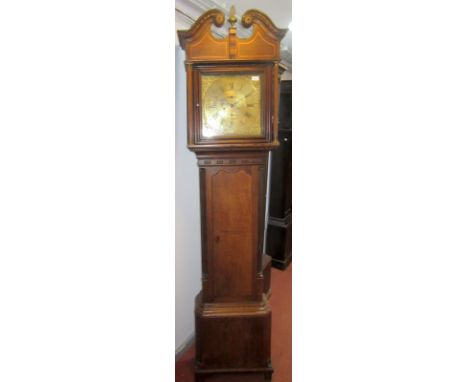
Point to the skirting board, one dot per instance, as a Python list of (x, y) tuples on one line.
[(182, 348)]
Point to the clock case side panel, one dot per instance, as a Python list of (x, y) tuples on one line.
[(268, 140)]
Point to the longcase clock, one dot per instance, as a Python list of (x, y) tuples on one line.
[(232, 109)]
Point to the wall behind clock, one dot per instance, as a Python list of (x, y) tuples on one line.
[(187, 216)]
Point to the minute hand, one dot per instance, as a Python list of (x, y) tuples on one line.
[(248, 95)]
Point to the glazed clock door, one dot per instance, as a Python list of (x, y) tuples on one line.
[(232, 105)]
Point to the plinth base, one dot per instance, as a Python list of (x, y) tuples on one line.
[(202, 374), (232, 338)]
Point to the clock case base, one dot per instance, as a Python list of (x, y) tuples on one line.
[(232, 338), (229, 361)]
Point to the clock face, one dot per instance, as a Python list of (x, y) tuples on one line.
[(231, 105)]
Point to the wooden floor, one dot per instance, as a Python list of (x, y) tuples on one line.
[(281, 344)]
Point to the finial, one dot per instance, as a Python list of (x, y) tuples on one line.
[(232, 16)]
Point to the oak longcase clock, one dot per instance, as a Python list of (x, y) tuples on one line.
[(232, 108)]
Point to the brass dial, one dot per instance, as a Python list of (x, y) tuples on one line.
[(231, 105)]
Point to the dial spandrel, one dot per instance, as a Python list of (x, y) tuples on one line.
[(231, 105)]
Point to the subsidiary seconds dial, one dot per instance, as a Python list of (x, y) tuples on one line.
[(231, 105)]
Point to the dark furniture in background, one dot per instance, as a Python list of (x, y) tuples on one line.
[(279, 233)]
